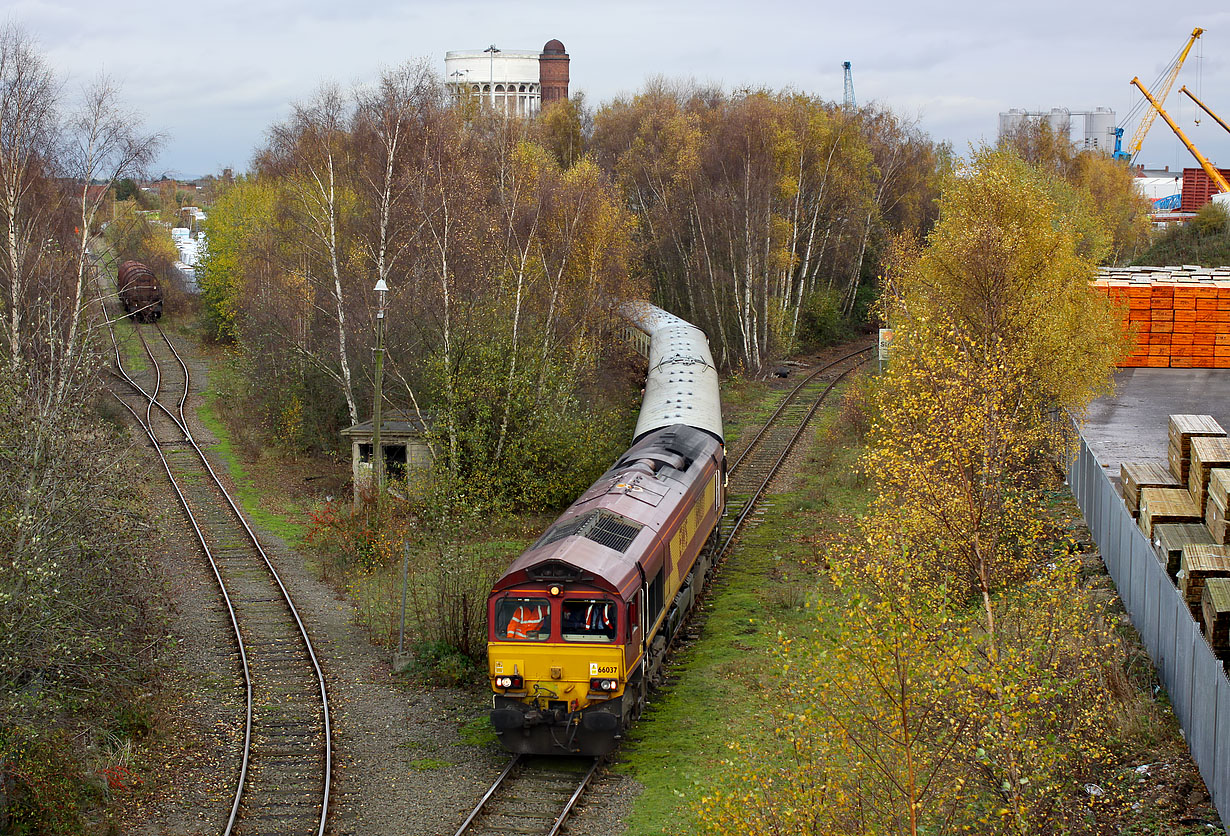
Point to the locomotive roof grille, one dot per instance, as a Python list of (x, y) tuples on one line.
[(602, 527)]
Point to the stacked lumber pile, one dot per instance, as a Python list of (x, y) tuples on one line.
[(1180, 315), (1182, 509), (1170, 538), (1154, 473), (1215, 506), (1215, 611), (1183, 428), (1198, 564), (1206, 454), (1166, 505)]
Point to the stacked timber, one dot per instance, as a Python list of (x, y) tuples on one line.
[(1170, 538), (1215, 611), (1166, 505), (1183, 428), (1206, 454), (1153, 473), (1198, 563), (1215, 505), (1179, 316)]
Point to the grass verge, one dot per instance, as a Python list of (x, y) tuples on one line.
[(288, 522), (722, 683)]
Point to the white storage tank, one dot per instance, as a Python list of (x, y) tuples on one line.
[(1011, 121), (1060, 120), (1100, 129)]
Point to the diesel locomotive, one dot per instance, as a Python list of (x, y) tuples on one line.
[(579, 625)]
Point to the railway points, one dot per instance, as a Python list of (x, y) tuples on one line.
[(283, 782)]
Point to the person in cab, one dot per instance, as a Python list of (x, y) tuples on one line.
[(527, 619)]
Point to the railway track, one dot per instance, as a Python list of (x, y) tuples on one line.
[(532, 795), (535, 796), (283, 780), (761, 458)]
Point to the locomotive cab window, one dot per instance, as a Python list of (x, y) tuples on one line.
[(523, 619), (590, 620)]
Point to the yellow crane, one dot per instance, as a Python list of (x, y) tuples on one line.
[(1213, 173), (1168, 79), (1203, 107)]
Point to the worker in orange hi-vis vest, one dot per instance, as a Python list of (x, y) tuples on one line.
[(598, 618), (527, 619)]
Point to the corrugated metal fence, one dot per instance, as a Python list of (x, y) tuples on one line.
[(1193, 676)]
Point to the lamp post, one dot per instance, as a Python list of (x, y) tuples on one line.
[(377, 450), (491, 50)]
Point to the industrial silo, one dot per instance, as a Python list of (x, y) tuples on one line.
[(1060, 121), (1100, 129), (1010, 122)]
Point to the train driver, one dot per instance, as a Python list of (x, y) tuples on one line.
[(598, 618), (526, 620)]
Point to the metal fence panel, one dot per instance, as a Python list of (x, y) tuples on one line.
[(1131, 546), (1194, 678), (1105, 521), (1181, 696), (1157, 584), (1167, 618), (1144, 579), (1206, 670), (1221, 769)]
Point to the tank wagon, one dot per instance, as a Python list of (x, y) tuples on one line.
[(579, 625), (139, 292)]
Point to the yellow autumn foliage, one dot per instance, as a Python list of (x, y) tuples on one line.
[(960, 679)]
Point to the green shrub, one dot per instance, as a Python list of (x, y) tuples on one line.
[(44, 783), (821, 322), (442, 664), (1210, 220)]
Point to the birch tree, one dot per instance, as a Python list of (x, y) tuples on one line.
[(29, 128), (312, 151)]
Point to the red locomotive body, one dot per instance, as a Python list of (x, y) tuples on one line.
[(139, 291), (580, 623)]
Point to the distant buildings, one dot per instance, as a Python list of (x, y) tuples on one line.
[(517, 81)]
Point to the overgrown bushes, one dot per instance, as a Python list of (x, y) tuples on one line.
[(1205, 240), (451, 544), (79, 629)]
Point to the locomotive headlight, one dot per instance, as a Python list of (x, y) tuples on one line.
[(597, 684), (508, 682)]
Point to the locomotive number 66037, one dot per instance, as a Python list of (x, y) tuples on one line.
[(579, 624)]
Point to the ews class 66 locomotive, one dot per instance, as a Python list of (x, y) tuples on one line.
[(579, 625)]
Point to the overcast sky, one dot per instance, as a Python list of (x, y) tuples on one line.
[(213, 76)]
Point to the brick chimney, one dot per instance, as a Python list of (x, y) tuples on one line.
[(553, 73)]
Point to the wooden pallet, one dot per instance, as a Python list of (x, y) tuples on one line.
[(1166, 505), (1207, 453), (1215, 612), (1183, 428), (1170, 538), (1219, 486), (1153, 473), (1215, 522), (1198, 563)]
